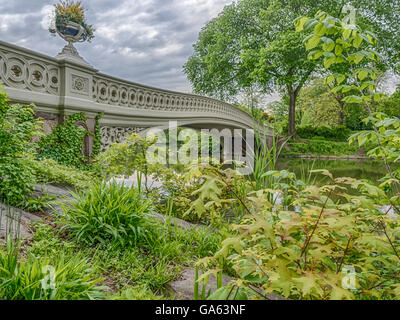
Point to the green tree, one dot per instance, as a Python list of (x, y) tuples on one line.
[(391, 105), (254, 42), (319, 106)]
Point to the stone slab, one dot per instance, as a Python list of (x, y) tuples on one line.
[(15, 221), (183, 288)]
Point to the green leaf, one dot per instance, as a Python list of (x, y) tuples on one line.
[(328, 62), (340, 78), (362, 74), (299, 23), (313, 42), (353, 99), (357, 41), (320, 29), (315, 54), (338, 50), (329, 79), (347, 33)]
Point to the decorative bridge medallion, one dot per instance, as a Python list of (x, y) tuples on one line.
[(80, 85)]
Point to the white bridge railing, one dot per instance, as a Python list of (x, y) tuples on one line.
[(67, 84), (61, 84)]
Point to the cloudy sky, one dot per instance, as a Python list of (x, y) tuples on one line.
[(145, 41)]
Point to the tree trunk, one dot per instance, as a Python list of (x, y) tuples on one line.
[(339, 99), (292, 112), (341, 113)]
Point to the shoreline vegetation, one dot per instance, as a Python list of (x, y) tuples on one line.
[(326, 157)]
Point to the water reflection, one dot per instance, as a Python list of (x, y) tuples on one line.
[(370, 170)]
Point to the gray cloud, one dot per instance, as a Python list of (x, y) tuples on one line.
[(145, 41)]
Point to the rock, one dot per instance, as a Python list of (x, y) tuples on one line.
[(177, 222), (62, 195), (15, 221), (183, 288), (51, 190)]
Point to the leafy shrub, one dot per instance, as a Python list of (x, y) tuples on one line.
[(322, 147), (41, 279), (339, 133), (65, 143), (109, 212), (129, 158), (50, 171), (17, 128), (39, 204), (301, 248), (382, 144)]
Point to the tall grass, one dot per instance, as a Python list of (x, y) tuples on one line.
[(31, 278), (306, 174), (265, 156), (109, 212)]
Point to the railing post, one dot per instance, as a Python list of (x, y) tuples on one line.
[(76, 91)]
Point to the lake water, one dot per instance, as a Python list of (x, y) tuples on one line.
[(358, 169)]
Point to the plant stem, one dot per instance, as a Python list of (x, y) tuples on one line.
[(344, 255), (232, 191), (304, 249), (390, 241)]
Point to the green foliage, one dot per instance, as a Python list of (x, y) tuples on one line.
[(51, 172), (265, 158), (135, 293), (318, 106), (242, 48), (38, 204), (4, 102), (388, 135), (348, 47), (302, 246), (254, 43), (17, 128), (109, 212), (140, 272), (321, 147), (354, 52), (129, 158), (65, 143), (30, 278), (354, 116), (339, 133), (175, 195), (386, 142), (299, 248), (390, 106)]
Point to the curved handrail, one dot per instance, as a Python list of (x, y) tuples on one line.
[(30, 72)]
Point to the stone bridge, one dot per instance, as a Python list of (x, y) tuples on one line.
[(67, 84)]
